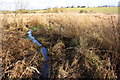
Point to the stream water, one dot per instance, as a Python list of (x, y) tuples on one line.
[(44, 71)]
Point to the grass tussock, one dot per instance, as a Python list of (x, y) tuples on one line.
[(79, 46)]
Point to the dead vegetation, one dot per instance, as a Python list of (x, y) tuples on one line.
[(20, 58), (80, 46)]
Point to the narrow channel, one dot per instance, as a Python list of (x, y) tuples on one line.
[(44, 71)]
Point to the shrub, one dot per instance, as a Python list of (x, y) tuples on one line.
[(83, 11)]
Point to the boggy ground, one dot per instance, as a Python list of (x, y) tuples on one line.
[(79, 46)]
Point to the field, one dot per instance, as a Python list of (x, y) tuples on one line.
[(110, 10), (103, 10), (79, 45)]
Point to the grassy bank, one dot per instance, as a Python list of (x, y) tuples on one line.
[(79, 46)]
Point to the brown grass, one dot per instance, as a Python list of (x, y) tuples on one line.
[(20, 59), (80, 46)]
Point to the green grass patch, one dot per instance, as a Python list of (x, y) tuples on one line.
[(27, 37), (35, 28)]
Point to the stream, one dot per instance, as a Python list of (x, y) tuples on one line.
[(44, 70)]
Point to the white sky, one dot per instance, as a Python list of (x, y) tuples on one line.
[(42, 4)]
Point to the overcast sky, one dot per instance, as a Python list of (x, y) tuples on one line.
[(42, 4)]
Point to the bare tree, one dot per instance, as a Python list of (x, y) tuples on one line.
[(21, 5)]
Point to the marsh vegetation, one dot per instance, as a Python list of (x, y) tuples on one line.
[(79, 46)]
